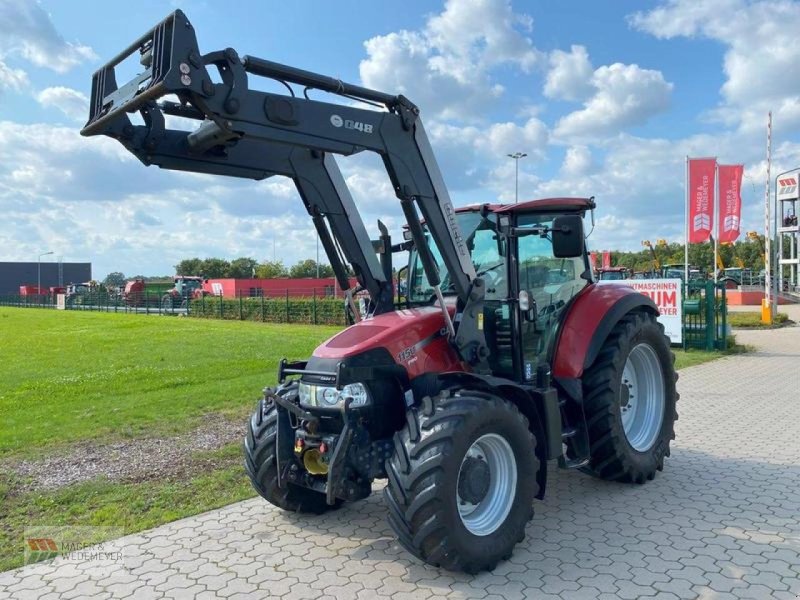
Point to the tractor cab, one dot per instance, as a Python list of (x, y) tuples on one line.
[(528, 285), (613, 274), (185, 286)]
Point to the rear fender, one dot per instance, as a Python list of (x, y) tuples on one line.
[(588, 323), (532, 407)]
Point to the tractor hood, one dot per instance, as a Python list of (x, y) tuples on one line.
[(415, 338)]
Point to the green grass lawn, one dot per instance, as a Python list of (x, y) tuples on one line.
[(70, 377), (752, 320), (77, 375), (691, 358)]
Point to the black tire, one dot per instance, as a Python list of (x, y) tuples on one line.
[(423, 475), (612, 456), (260, 462)]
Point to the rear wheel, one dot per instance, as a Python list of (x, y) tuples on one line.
[(629, 400), (462, 481), (260, 462), (166, 302)]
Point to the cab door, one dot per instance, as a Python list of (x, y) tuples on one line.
[(551, 283)]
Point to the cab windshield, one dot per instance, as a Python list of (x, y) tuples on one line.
[(611, 275), (487, 257)]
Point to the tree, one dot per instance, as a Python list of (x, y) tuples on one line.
[(214, 268), (114, 279), (308, 268), (242, 268), (189, 266), (271, 269)]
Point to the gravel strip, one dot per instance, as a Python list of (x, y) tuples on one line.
[(129, 460)]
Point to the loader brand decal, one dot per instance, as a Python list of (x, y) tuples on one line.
[(667, 295), (338, 121), (452, 222)]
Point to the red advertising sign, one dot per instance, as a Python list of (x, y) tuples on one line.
[(701, 198), (593, 260), (606, 259), (730, 202)]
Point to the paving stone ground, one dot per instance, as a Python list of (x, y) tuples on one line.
[(722, 521)]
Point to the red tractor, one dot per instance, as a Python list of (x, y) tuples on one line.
[(502, 356)]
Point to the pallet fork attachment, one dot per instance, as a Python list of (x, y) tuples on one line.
[(253, 134)]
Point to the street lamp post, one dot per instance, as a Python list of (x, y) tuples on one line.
[(516, 156), (39, 272)]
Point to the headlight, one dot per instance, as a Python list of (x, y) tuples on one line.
[(329, 397)]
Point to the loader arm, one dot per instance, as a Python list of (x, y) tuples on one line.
[(253, 134)]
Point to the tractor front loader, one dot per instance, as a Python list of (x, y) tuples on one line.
[(503, 355)]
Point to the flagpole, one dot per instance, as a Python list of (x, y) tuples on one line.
[(686, 228), (767, 307), (717, 213)]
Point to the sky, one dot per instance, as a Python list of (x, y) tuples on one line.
[(606, 98)]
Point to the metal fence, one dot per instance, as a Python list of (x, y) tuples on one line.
[(286, 306), (704, 308), (705, 316), (102, 301)]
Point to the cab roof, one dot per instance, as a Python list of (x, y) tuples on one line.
[(544, 205)]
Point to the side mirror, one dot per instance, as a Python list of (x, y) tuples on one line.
[(527, 306), (568, 236), (402, 284)]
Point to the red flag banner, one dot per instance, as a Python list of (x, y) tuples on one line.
[(730, 202), (701, 198), (593, 260), (606, 259)]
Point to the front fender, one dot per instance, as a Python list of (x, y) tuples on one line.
[(588, 323)]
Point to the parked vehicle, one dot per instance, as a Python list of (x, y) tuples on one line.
[(613, 273), (186, 288), (503, 357)]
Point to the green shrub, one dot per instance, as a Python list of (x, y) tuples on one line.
[(319, 311)]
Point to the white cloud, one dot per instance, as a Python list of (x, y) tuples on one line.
[(89, 199), (761, 59), (71, 102), (570, 75), (505, 138), (26, 30), (626, 95), (446, 66), (577, 161), (12, 79)]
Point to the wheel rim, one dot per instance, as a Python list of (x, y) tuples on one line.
[(642, 398), (485, 514)]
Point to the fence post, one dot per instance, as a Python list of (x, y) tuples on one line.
[(724, 309), (241, 317), (263, 316), (287, 305), (314, 306), (711, 324), (220, 307)]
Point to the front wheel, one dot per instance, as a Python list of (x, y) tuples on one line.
[(261, 465), (629, 400), (462, 480)]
